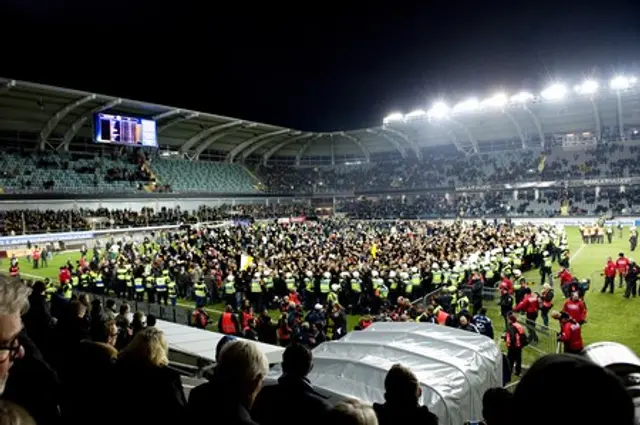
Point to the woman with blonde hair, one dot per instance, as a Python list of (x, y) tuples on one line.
[(148, 389), (352, 412)]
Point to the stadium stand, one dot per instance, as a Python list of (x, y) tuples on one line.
[(203, 176), (278, 283)]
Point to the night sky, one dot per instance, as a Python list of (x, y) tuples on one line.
[(310, 67)]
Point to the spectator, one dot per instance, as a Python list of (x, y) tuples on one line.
[(497, 406), (151, 321), (200, 397), (239, 375), (31, 384), (110, 310), (157, 395), (294, 387), (558, 376), (12, 414), (402, 395), (86, 394), (352, 412), (38, 321)]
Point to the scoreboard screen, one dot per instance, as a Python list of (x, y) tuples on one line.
[(123, 130)]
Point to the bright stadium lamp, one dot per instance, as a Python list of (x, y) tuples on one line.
[(587, 87), (438, 110), (522, 97), (496, 101), (418, 113), (467, 106), (622, 83), (554, 92), (395, 117)]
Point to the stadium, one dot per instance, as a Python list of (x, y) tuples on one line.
[(355, 238)]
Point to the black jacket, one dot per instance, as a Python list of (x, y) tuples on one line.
[(300, 399), (390, 414), (210, 397), (156, 397), (34, 385)]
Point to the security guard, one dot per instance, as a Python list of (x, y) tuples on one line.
[(121, 280), (172, 289), (138, 285), (98, 283), (66, 290), (150, 288), (462, 303), (129, 283), (200, 292), (161, 290), (290, 282), (230, 291), (84, 281), (325, 287)]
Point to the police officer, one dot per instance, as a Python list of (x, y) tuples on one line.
[(161, 290), (200, 292)]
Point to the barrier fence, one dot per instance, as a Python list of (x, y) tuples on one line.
[(178, 314)]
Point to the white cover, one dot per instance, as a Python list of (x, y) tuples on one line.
[(454, 367), (202, 343)]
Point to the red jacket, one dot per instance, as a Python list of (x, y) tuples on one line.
[(610, 269), (506, 284), (571, 335), (576, 309), (65, 275), (622, 264), (529, 304), (565, 277)]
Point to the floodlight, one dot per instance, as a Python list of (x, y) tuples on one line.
[(415, 114), (554, 92), (522, 97), (467, 105), (396, 116), (622, 83), (587, 87), (438, 110), (496, 101)]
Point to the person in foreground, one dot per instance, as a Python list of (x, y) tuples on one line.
[(200, 397), (293, 386), (603, 398), (351, 412), (25, 377), (239, 374), (402, 395), (157, 396)]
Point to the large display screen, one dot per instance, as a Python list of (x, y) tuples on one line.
[(122, 130)]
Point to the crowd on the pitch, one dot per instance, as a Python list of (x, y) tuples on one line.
[(315, 273)]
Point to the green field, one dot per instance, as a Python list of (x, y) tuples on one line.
[(610, 317)]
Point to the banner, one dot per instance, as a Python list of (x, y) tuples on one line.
[(541, 163), (287, 220), (44, 237), (245, 261)]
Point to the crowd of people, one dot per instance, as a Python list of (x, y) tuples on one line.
[(82, 361), (316, 273), (447, 170)]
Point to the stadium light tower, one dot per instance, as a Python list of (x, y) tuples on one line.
[(622, 83), (555, 91), (467, 105), (496, 101), (395, 117), (587, 87), (522, 97), (438, 110), (418, 113)]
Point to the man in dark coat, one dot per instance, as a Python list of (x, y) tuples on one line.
[(294, 389), (402, 393)]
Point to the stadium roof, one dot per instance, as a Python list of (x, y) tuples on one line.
[(59, 115)]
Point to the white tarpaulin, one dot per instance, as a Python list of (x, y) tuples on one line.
[(202, 343), (454, 367)]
